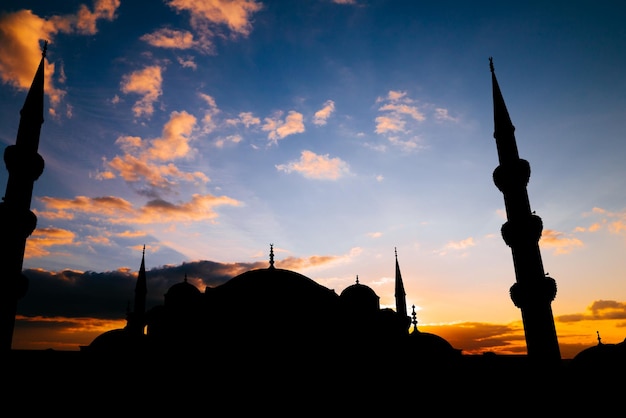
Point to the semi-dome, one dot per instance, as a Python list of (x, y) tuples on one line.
[(603, 356), (116, 340)]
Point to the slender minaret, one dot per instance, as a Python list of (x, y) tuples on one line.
[(400, 294), (17, 221), (533, 291), (136, 319)]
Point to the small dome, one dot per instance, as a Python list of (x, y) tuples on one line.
[(360, 297), (182, 293)]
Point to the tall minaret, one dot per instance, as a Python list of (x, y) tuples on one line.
[(533, 291), (17, 221), (400, 294), (136, 319)]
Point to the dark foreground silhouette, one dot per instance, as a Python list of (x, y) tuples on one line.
[(305, 384)]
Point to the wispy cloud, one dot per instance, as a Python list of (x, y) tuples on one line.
[(599, 310), (477, 337), (170, 38), (399, 114), (559, 242), (614, 222), (318, 167), (115, 210), (401, 117), (321, 116), (458, 246)]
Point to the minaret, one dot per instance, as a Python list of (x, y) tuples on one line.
[(533, 291), (400, 294), (136, 319), (17, 221)]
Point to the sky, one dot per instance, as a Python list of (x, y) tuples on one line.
[(338, 131)]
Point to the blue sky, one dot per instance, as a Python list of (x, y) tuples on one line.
[(336, 130)]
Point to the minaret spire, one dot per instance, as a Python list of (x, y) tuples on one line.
[(533, 291), (17, 221), (136, 318), (400, 294)]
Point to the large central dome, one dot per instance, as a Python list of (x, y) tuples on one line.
[(273, 305)]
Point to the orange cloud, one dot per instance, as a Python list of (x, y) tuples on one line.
[(146, 83), (385, 124), (399, 120), (200, 208), (557, 241), (279, 129), (295, 264), (322, 115), (85, 19), (403, 109), (318, 167), (142, 159), (170, 38), (116, 210), (59, 333), (461, 245), (599, 310), (20, 49), (477, 337), (175, 140), (42, 238), (235, 14), (108, 205)]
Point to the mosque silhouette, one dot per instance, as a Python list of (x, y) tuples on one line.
[(273, 331)]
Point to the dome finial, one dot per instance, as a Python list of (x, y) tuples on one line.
[(357, 279), (271, 256), (414, 315), (599, 339)]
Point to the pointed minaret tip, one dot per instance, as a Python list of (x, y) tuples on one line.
[(491, 64), (45, 49)]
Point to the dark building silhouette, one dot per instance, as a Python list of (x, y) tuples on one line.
[(17, 221), (278, 312), (533, 291), (601, 357), (272, 337)]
